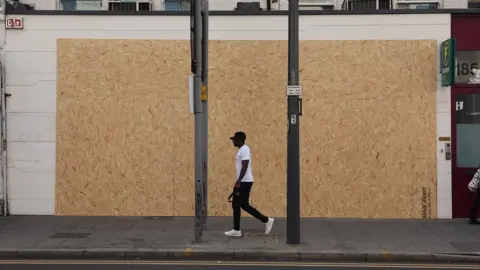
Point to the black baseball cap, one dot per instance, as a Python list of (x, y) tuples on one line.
[(239, 135)]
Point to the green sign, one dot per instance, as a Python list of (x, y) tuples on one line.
[(447, 62)]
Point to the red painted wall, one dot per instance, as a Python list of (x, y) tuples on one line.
[(466, 31)]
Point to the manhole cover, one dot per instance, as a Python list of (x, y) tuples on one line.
[(70, 235)]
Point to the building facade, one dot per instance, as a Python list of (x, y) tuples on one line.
[(98, 120)]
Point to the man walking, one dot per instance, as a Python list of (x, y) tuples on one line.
[(243, 186)]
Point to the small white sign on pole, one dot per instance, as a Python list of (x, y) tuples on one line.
[(190, 93), (294, 90)]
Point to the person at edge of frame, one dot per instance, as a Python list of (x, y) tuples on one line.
[(476, 203), (243, 186)]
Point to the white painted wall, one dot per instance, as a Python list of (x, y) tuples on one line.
[(31, 78), (444, 167)]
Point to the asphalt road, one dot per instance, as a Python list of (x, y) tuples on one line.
[(124, 265)]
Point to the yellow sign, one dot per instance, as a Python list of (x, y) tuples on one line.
[(445, 53), (204, 92)]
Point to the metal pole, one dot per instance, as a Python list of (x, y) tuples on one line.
[(197, 71), (3, 97), (293, 144), (205, 106)]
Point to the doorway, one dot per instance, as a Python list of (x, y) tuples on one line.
[(465, 146)]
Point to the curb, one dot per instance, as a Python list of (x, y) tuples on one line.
[(234, 255), (457, 257)]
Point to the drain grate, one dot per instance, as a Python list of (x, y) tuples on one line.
[(260, 234), (70, 235), (159, 218)]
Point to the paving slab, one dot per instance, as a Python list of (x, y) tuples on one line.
[(171, 238)]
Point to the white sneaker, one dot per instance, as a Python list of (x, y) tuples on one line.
[(269, 225), (234, 233)]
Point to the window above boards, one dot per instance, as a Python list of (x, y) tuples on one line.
[(176, 5), (474, 4), (125, 5), (367, 5), (390, 4), (81, 4), (254, 5)]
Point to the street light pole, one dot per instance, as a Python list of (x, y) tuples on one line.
[(294, 91), (196, 47), (205, 106)]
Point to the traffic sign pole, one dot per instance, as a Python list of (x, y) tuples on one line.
[(294, 91)]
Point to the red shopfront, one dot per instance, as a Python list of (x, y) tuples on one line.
[(465, 106)]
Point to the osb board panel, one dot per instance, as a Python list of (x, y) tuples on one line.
[(247, 93), (367, 133), (267, 141), (368, 130), (248, 69), (395, 80), (123, 131)]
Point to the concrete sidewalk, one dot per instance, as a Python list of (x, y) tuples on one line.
[(167, 238)]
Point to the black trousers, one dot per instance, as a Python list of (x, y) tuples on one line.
[(240, 200), (476, 205)]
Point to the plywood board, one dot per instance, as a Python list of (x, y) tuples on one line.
[(367, 133), (122, 108), (368, 130), (247, 93)]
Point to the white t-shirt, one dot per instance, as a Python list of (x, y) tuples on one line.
[(244, 154)]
